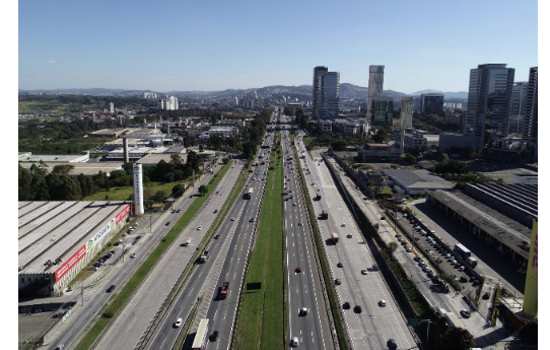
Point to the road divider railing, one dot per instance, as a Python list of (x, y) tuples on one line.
[(119, 300)]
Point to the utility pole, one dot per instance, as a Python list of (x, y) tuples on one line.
[(82, 294)]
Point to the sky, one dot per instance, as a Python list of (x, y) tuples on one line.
[(213, 45)]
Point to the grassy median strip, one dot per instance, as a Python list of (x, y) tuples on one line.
[(119, 300), (260, 323)]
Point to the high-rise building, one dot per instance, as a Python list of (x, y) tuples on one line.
[(431, 103), (518, 103), (318, 73), (382, 111), (407, 109), (375, 88), (488, 101), (169, 104), (531, 108), (111, 108), (330, 95)]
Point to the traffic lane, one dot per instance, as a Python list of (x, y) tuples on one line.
[(134, 318)]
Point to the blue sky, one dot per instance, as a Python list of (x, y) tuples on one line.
[(209, 45)]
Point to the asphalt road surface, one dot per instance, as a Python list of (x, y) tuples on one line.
[(305, 289)]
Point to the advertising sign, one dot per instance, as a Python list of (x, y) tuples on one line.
[(122, 214), (72, 261)]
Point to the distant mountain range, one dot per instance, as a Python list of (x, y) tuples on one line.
[(347, 91)]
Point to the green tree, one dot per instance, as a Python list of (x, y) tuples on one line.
[(203, 190), (25, 184), (178, 190), (159, 196)]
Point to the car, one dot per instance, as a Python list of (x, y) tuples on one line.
[(343, 225), (251, 220), (345, 306), (373, 268), (337, 282), (340, 265), (215, 211), (294, 342), (167, 223), (357, 309), (60, 347), (133, 255), (110, 289), (465, 313), (232, 219), (363, 272), (463, 279), (391, 344), (382, 218), (199, 228), (213, 336), (298, 270), (216, 236), (178, 323), (302, 311), (381, 303), (299, 224)]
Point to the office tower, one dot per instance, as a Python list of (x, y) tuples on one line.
[(375, 88), (162, 104), (518, 103), (407, 109), (531, 108), (330, 95), (173, 102), (138, 190), (382, 111), (111, 108), (488, 101), (318, 72), (431, 103), (125, 149)]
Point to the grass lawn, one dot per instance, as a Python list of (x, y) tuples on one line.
[(261, 323), (124, 192), (120, 299)]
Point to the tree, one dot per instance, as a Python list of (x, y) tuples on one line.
[(455, 338), (25, 183), (203, 190), (392, 246), (193, 160), (409, 158), (379, 136), (159, 196), (178, 190)]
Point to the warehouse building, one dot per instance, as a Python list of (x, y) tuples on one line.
[(511, 238), (416, 182), (57, 239)]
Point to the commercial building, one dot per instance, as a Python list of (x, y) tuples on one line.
[(349, 127), (381, 111), (219, 131), (318, 72), (431, 103), (28, 157), (489, 96), (110, 133), (380, 152), (111, 107), (169, 104), (416, 182), (518, 104), (330, 95), (531, 115), (375, 88), (58, 239), (449, 141), (407, 109)]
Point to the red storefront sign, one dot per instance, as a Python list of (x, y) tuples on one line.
[(122, 214), (70, 263)]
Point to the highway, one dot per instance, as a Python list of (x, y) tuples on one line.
[(68, 333), (133, 321), (227, 261), (452, 302), (305, 286), (374, 324)]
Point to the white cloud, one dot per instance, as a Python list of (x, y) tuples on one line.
[(52, 61)]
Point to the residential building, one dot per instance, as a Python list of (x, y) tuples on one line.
[(431, 103), (381, 111), (375, 88), (407, 108), (318, 73), (488, 101)]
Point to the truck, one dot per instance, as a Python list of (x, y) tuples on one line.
[(223, 290), (248, 194), (333, 239), (461, 250), (200, 341)]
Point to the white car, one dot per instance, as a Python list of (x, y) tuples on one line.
[(382, 303), (302, 311), (294, 342), (178, 323), (199, 228)]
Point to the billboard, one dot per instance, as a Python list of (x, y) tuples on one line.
[(530, 302), (70, 263), (122, 214)]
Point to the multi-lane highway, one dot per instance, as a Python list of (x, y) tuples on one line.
[(311, 325), (226, 263), (133, 321), (370, 311), (68, 333)]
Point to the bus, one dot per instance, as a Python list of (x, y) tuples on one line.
[(248, 194), (461, 250), (200, 341)]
